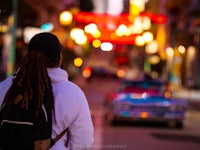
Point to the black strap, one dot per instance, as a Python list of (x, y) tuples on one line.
[(53, 141)]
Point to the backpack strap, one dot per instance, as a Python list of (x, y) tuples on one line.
[(53, 141)]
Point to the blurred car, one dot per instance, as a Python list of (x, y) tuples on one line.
[(147, 100), (100, 73)]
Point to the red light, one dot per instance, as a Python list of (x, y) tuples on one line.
[(122, 60), (103, 21), (160, 19), (87, 72)]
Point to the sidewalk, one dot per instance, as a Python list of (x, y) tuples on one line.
[(192, 96)]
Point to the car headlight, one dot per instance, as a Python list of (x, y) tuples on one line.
[(121, 96), (174, 108)]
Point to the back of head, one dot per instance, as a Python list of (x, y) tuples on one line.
[(31, 75), (48, 44)]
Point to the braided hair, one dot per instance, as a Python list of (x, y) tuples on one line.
[(31, 76)]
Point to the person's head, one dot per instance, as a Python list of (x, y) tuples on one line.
[(44, 51), (49, 45)]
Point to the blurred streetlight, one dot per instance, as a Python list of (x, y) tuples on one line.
[(181, 49), (78, 35), (123, 30), (65, 18), (140, 40), (93, 30), (78, 62), (96, 43), (106, 46), (148, 36), (151, 47), (154, 59)]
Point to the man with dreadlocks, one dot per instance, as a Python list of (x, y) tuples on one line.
[(40, 71)]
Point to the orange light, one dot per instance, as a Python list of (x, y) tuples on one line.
[(167, 94), (134, 10), (96, 43), (120, 73), (144, 115), (78, 62), (65, 18), (87, 72)]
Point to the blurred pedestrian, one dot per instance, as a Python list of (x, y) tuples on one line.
[(71, 109)]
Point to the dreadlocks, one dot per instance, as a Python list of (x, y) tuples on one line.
[(31, 76)]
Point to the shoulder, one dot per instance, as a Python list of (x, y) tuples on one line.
[(7, 81), (68, 92), (68, 87), (4, 86), (74, 87)]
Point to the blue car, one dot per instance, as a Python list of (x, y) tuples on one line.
[(147, 100)]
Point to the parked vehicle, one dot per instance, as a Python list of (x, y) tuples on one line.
[(147, 100)]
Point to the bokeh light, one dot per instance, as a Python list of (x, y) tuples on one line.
[(78, 62), (65, 18)]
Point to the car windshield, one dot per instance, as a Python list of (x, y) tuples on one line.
[(150, 87)]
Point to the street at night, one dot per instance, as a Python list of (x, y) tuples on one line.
[(104, 42)]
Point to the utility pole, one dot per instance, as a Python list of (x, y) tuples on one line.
[(11, 58)]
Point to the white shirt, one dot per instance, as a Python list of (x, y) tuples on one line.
[(71, 111)]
